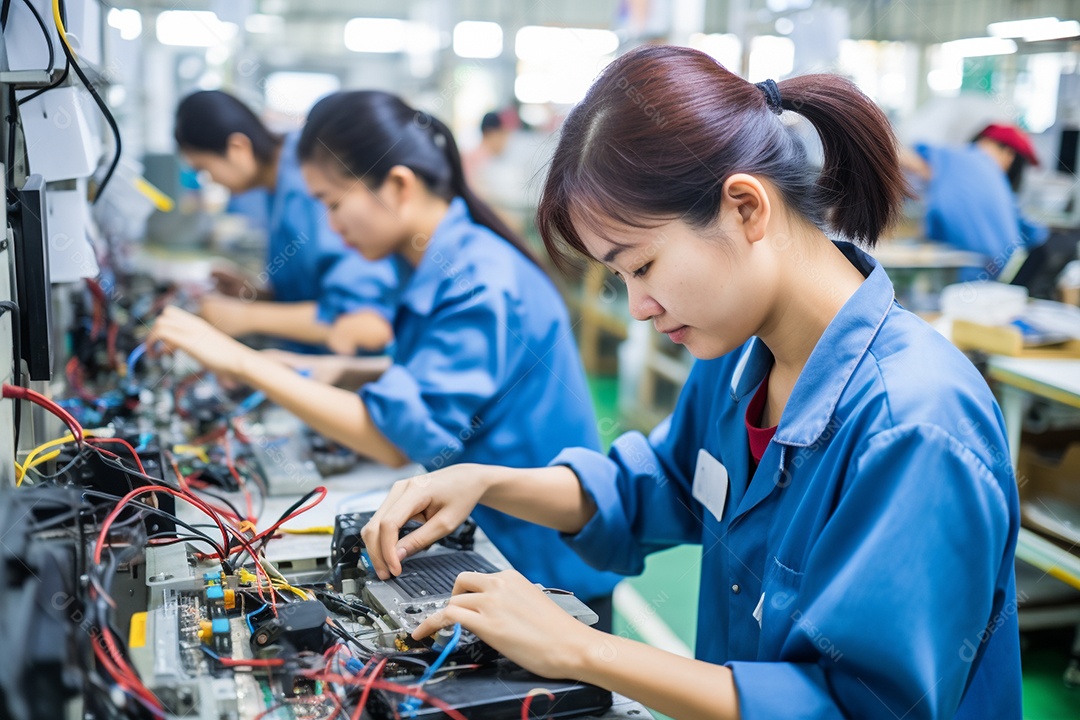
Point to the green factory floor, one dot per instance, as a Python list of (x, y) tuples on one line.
[(669, 586)]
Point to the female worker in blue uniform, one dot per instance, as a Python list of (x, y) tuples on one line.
[(842, 465), (312, 279), (970, 196), (485, 367)]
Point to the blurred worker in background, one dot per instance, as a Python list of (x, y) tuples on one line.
[(312, 279), (494, 135), (484, 364), (970, 195)]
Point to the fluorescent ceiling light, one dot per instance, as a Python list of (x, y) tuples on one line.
[(542, 43), (128, 22), (979, 47), (1064, 29), (376, 35), (474, 39), (193, 28), (1021, 28)]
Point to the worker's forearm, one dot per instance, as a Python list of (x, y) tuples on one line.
[(292, 321), (338, 414), (551, 496), (358, 371), (671, 684)]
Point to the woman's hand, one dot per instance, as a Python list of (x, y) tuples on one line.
[(229, 315), (231, 281), (516, 618), (178, 329), (362, 330), (442, 500)]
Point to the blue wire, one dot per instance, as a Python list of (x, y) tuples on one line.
[(249, 403), (410, 704), (133, 358), (247, 618)]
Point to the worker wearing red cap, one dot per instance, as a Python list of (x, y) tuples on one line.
[(969, 194)]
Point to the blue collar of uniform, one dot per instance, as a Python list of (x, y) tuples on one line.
[(289, 179), (440, 260), (841, 348)]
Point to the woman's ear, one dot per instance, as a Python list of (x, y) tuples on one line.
[(745, 205), (400, 186), (239, 143)]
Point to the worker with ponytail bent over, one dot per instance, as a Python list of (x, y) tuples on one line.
[(843, 467), (484, 364)]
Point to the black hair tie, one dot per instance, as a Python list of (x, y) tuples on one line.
[(772, 95)]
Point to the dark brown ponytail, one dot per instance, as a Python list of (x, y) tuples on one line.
[(861, 181)]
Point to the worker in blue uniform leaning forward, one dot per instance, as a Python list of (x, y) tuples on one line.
[(970, 196), (484, 364), (842, 465), (315, 290)]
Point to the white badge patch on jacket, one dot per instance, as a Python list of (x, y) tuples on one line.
[(710, 483), (759, 610)]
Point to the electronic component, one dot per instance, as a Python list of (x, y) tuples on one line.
[(345, 553), (496, 692), (105, 475), (300, 625), (32, 276)]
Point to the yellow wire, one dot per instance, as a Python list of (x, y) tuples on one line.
[(290, 588), (249, 577), (195, 450), (317, 530), (32, 461), (60, 28), (161, 201)]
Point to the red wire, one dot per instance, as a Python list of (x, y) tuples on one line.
[(111, 517), (249, 505), (125, 443), (373, 683), (122, 673), (21, 393), (369, 683), (253, 662), (100, 301), (529, 698), (299, 511), (74, 372)]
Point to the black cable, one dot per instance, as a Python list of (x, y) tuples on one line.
[(288, 511), (232, 508), (104, 111), (45, 32), (157, 511), (12, 121), (55, 83), (350, 638), (16, 346), (79, 457)]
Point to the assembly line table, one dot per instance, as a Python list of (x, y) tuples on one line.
[(1057, 380)]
